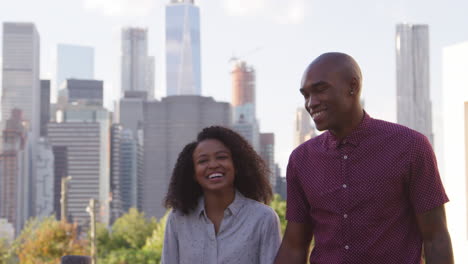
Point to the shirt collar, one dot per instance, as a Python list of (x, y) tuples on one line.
[(233, 208), (354, 138)]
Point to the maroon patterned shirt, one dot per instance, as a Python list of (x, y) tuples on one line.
[(361, 195)]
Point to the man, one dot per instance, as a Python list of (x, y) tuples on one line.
[(367, 190)]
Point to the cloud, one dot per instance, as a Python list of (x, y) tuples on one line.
[(280, 11), (121, 7)]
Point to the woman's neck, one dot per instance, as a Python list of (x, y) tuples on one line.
[(218, 201)]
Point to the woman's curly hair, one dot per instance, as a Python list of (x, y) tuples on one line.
[(250, 179)]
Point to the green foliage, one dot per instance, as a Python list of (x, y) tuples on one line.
[(47, 240), (132, 229), (155, 242), (279, 205), (133, 239), (5, 252)]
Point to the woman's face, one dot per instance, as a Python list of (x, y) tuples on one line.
[(214, 168)]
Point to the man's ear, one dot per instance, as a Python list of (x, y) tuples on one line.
[(354, 86)]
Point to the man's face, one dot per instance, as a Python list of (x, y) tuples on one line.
[(327, 97)]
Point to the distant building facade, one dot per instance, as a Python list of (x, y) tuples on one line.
[(183, 57), (414, 107), (267, 152), (137, 69), (17, 182), (303, 128), (85, 133), (168, 126)]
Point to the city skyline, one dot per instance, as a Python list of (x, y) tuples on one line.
[(289, 32)]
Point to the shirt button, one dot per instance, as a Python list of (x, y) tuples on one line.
[(345, 216), (346, 247), (345, 157), (344, 186)]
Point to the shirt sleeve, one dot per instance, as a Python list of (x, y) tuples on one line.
[(425, 186), (297, 206), (271, 238), (170, 252)]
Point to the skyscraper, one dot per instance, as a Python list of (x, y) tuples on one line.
[(74, 62), (137, 69), (60, 171), (303, 129), (116, 209), (85, 133), (16, 185), (267, 152), (21, 84), (169, 124), (183, 67), (126, 171), (414, 107), (243, 91), (44, 200), (243, 103), (45, 107), (454, 96), (84, 92)]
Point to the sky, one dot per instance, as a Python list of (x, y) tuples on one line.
[(278, 38)]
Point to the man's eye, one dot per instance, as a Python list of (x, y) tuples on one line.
[(321, 89)]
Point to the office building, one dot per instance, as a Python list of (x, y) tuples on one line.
[(183, 59), (168, 126), (414, 108), (137, 69)]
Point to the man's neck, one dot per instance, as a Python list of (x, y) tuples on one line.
[(354, 121)]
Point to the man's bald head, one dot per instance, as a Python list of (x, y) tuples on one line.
[(331, 87), (337, 63)]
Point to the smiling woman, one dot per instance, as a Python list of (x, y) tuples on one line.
[(217, 192)]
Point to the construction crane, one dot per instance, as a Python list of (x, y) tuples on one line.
[(235, 58)]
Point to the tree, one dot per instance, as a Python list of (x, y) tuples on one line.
[(132, 229), (126, 241), (47, 240), (279, 205), (5, 252), (154, 244)]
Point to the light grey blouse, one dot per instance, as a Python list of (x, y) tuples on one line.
[(249, 234)]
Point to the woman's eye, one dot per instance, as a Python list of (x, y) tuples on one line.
[(202, 161)]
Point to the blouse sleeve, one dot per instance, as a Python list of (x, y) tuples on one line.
[(170, 252)]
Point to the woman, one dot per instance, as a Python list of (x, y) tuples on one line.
[(217, 192)]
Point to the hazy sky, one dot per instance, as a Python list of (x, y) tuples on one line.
[(283, 35)]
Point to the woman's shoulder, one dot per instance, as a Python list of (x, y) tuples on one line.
[(260, 209)]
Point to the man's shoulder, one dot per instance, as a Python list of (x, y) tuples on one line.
[(383, 127), (314, 143)]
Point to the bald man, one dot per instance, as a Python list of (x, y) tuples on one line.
[(368, 191)]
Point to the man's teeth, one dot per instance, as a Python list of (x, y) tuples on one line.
[(317, 114), (215, 175)]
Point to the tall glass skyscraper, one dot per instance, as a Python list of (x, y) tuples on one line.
[(137, 70), (414, 108), (183, 69), (21, 84)]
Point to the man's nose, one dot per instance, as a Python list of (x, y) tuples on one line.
[(312, 102)]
